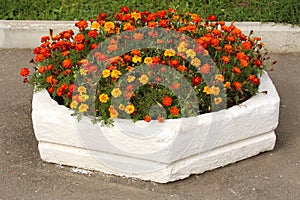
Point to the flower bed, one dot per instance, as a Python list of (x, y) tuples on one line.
[(180, 148), (155, 94)]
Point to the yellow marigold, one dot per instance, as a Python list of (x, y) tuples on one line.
[(136, 15), (108, 26), (116, 92), (121, 107), (148, 60), (74, 104), (83, 71), (129, 109), (196, 62), (95, 25), (182, 47), (219, 77), (115, 73), (227, 84), (81, 89), (113, 112), (130, 79), (136, 59), (83, 108), (103, 98), (126, 25), (206, 90), (190, 53), (215, 90), (83, 97), (218, 100), (144, 79), (169, 52), (105, 73)]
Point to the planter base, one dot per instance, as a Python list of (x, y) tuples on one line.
[(178, 149), (180, 169)]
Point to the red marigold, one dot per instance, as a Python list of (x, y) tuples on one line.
[(79, 38), (82, 24), (79, 47), (236, 70), (253, 79), (196, 80), (67, 63), (50, 67), (124, 9), (225, 59), (258, 63), (167, 101), (42, 69), (174, 111), (147, 118), (237, 86), (205, 69), (92, 33), (212, 18), (247, 45), (24, 71), (174, 63)]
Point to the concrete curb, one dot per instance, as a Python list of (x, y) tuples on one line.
[(279, 38)]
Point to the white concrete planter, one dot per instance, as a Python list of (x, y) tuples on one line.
[(160, 152)]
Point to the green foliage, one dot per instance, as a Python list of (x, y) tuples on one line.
[(284, 11)]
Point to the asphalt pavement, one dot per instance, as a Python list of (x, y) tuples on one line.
[(23, 175)]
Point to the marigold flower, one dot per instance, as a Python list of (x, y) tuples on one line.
[(130, 78), (174, 111), (167, 101), (81, 89), (253, 79), (190, 53), (113, 112), (196, 80), (227, 84), (82, 24), (205, 69), (115, 73), (105, 73), (83, 97), (236, 70), (103, 98), (196, 62), (108, 26), (237, 86), (144, 79), (225, 59), (219, 77), (24, 71), (116, 92), (206, 90), (136, 15), (129, 109), (95, 25), (121, 107), (136, 59), (67, 63), (217, 100), (73, 104), (138, 36), (79, 38), (169, 52), (215, 90), (181, 68), (147, 118), (42, 69), (148, 60), (92, 33), (83, 108), (243, 63), (49, 79), (247, 45)]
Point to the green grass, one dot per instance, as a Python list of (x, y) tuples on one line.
[(284, 11)]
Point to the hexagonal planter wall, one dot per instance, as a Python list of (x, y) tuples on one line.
[(160, 152)]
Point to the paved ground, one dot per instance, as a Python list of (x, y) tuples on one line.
[(271, 175)]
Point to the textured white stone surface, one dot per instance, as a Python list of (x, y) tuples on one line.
[(160, 152), (27, 34)]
